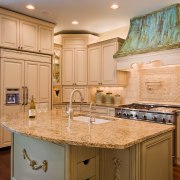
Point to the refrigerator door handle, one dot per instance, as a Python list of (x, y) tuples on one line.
[(26, 90), (23, 95)]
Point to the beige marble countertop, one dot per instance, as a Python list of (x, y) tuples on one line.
[(52, 126)]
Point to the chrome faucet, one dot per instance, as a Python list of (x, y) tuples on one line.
[(91, 119), (70, 109)]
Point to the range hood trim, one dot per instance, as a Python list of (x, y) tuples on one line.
[(167, 57)]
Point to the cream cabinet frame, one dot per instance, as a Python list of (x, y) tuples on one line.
[(25, 33), (19, 70), (74, 59), (68, 89), (102, 66), (74, 66)]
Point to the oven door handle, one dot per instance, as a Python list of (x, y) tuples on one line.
[(26, 95), (23, 95)]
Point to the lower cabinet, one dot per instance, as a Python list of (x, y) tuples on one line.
[(34, 159), (41, 160), (99, 110), (67, 92), (5, 139)]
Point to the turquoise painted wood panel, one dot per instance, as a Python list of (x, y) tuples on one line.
[(151, 32)]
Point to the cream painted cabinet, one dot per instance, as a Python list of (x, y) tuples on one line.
[(61, 162), (28, 78), (67, 92), (25, 33), (45, 39), (28, 36), (38, 81), (74, 66), (102, 66), (9, 31), (94, 65), (178, 139)]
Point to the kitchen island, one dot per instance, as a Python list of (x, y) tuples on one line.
[(45, 148)]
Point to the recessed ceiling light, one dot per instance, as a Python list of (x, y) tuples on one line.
[(30, 7), (75, 22), (114, 6)]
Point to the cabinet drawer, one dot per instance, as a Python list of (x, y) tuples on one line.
[(84, 153), (101, 110), (86, 169)]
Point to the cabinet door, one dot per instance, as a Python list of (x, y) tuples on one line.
[(45, 83), (178, 140), (108, 63), (80, 67), (66, 93), (45, 40), (77, 97), (9, 32), (32, 80), (28, 36), (38, 81), (68, 67), (94, 65), (5, 137), (12, 75)]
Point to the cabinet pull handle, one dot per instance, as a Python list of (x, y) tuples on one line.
[(86, 162), (26, 89), (23, 95), (34, 164)]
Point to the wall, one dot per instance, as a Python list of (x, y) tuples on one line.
[(120, 32)]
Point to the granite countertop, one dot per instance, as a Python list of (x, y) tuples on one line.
[(52, 126)]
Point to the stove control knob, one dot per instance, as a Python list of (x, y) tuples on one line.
[(163, 120), (136, 116), (144, 116), (124, 114), (119, 113), (154, 118), (131, 115), (169, 121)]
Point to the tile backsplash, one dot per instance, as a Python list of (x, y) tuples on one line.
[(158, 84), (164, 84)]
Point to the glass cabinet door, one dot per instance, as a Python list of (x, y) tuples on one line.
[(56, 67)]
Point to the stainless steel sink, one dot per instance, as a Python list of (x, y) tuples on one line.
[(87, 119)]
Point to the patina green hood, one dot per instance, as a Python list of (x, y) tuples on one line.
[(159, 30)]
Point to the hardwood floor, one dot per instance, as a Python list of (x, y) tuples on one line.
[(5, 166), (176, 173)]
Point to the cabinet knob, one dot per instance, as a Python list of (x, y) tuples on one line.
[(39, 50)]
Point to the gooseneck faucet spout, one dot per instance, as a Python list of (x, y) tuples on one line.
[(70, 109)]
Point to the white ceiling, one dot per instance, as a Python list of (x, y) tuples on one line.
[(93, 15)]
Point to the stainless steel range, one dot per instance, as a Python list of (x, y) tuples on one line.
[(148, 112), (156, 113)]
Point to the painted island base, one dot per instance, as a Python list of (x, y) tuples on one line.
[(33, 159)]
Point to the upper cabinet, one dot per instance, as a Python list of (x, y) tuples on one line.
[(74, 60), (25, 33), (45, 39), (102, 66)]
